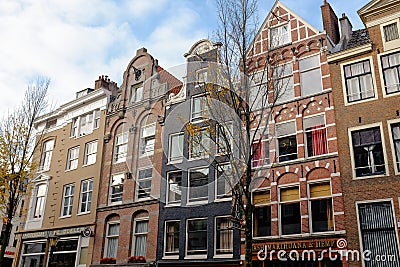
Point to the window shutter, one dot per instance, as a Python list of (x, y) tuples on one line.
[(261, 197), (289, 194), (320, 190)]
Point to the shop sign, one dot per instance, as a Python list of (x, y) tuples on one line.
[(58, 232), (296, 245)]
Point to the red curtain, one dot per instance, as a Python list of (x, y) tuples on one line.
[(258, 153), (319, 140)]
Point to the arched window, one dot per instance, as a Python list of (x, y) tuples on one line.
[(140, 231), (112, 233)]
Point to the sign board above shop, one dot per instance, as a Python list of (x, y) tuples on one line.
[(315, 244), (58, 232)]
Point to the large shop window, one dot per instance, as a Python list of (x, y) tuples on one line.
[(290, 211), (65, 253), (359, 84), (224, 236), (262, 213), (197, 237), (171, 238), (33, 254), (112, 239), (396, 143), (368, 152), (140, 237), (315, 131), (378, 233), (391, 72), (321, 207), (287, 141)]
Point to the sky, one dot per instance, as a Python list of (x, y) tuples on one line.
[(74, 41)]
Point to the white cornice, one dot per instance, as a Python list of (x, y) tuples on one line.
[(349, 53)]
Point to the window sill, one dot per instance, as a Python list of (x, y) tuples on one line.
[(85, 165), (146, 155), (369, 176), (171, 162), (83, 213), (119, 161), (114, 203), (359, 101), (224, 199), (194, 203), (65, 217), (223, 256), (196, 257), (170, 257), (171, 205), (70, 170)]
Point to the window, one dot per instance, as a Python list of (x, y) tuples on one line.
[(90, 153), (310, 75), (117, 188), (224, 236), (391, 32), (198, 184), (358, 79), (258, 92), (378, 232), (224, 140), (174, 181), (287, 142), (321, 207), (224, 181), (65, 252), (290, 211), (315, 135), (140, 237), (121, 147), (39, 200), (32, 254), (280, 36), (200, 144), (201, 76), (396, 143), (197, 237), (46, 155), (86, 196), (112, 239), (137, 94), (199, 108), (144, 183), (260, 148), (368, 152), (85, 124), (391, 72), (171, 238), (175, 147), (68, 199), (147, 139), (73, 158), (262, 213), (283, 83)]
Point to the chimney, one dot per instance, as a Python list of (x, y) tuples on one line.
[(345, 28), (330, 22), (104, 82)]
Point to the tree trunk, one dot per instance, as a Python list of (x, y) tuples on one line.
[(4, 243)]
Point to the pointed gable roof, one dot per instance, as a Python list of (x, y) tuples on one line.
[(376, 6)]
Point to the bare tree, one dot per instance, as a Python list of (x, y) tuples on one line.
[(241, 92), (17, 143)]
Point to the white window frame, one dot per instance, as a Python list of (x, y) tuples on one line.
[(108, 236), (204, 144), (73, 158), (47, 154), (197, 256), (173, 254), (280, 202), (88, 193), (171, 147), (273, 42), (120, 156), (42, 205), (145, 179), (201, 199), (261, 190), (310, 199), (135, 235), (287, 135), (227, 195), (203, 113), (177, 202), (110, 199), (70, 198), (90, 154), (135, 97), (262, 140), (283, 79), (222, 255), (220, 141), (381, 73), (393, 44), (201, 76), (92, 122), (344, 86), (364, 127), (392, 145), (305, 71), (145, 149), (310, 131)]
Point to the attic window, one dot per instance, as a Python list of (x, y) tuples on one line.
[(279, 35), (391, 32)]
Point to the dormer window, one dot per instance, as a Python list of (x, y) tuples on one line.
[(279, 35), (391, 32)]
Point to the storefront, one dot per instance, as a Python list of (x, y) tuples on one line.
[(329, 252), (60, 248)]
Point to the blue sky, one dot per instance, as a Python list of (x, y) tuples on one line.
[(75, 41)]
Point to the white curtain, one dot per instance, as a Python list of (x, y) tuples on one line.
[(141, 238), (226, 236)]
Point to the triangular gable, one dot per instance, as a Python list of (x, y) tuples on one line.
[(40, 178), (277, 15), (373, 5)]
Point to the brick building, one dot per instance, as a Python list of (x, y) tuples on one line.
[(298, 203), (63, 199), (365, 73), (128, 204)]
